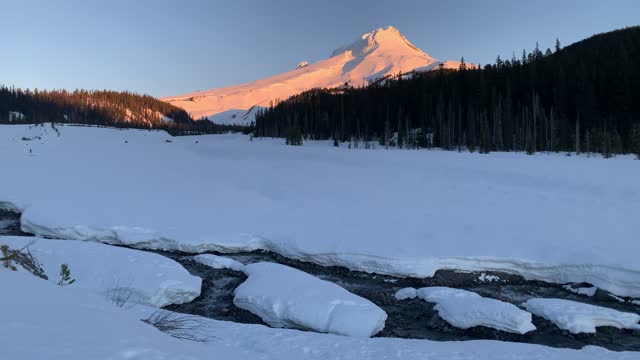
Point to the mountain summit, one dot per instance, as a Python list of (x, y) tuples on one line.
[(374, 55), (382, 37)]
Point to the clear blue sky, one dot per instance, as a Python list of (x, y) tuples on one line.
[(168, 47)]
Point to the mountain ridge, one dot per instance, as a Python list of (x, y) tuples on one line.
[(379, 53)]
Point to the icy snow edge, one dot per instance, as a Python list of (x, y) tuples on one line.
[(619, 281), (578, 317)]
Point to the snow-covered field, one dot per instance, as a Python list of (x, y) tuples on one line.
[(406, 213), (550, 217)]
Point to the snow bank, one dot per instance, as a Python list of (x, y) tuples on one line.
[(72, 324), (465, 309), (41, 320), (289, 298), (219, 262), (579, 317), (323, 204), (107, 270)]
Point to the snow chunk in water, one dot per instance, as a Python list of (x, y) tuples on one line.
[(465, 309), (151, 278), (578, 317), (488, 278), (289, 298), (219, 262), (406, 293), (588, 291)]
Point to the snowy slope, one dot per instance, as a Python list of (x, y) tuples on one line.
[(550, 217), (374, 55), (75, 325)]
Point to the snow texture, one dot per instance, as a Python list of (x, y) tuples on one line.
[(315, 203), (375, 55), (465, 309), (578, 317), (108, 270), (219, 262), (289, 298)]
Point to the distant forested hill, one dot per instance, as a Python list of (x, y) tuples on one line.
[(107, 108), (583, 97)]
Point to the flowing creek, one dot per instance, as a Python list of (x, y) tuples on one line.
[(408, 318)]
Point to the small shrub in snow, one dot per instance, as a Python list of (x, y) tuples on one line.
[(120, 295), (7, 257), (22, 257), (179, 326), (65, 276)]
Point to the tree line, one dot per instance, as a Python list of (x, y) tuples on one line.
[(581, 98), (100, 108)]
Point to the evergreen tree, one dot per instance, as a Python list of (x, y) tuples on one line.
[(65, 276), (530, 104), (293, 136)]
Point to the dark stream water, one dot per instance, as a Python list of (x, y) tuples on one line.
[(414, 318), (407, 318)]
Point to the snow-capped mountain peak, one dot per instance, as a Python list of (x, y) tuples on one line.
[(383, 37), (374, 55)]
